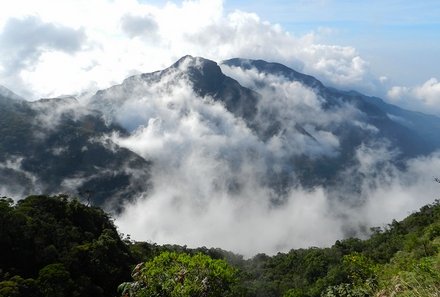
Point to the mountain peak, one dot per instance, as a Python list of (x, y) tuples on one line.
[(197, 67), (190, 61)]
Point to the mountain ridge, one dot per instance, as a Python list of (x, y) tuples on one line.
[(372, 106), (317, 161)]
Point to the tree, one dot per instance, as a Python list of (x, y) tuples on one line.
[(180, 275)]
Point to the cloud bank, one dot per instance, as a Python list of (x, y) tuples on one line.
[(67, 54), (424, 98), (214, 180)]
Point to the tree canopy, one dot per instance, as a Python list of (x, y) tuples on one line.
[(56, 246), (172, 274)]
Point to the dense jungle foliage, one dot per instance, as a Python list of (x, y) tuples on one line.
[(56, 246)]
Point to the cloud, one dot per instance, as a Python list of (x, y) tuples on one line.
[(245, 35), (210, 172), (201, 198), (245, 223), (425, 97), (114, 39), (210, 181), (24, 40), (391, 193), (214, 180), (293, 107), (51, 112), (139, 26)]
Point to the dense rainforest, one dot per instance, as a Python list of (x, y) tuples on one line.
[(57, 246)]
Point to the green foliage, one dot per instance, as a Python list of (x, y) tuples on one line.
[(358, 268), (392, 257), (361, 275), (16, 286), (178, 275), (56, 246), (59, 247), (416, 270)]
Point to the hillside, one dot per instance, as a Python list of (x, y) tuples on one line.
[(56, 246), (56, 146)]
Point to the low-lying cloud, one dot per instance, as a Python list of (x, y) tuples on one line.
[(424, 98), (195, 204), (212, 176)]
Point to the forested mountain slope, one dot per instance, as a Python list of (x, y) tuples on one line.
[(56, 246)]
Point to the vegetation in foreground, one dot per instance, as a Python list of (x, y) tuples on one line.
[(56, 246)]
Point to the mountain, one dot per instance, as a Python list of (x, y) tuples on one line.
[(408, 134), (56, 146), (6, 93), (288, 127), (413, 133), (204, 76)]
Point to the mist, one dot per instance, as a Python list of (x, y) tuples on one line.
[(211, 173)]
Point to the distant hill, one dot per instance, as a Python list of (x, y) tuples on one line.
[(56, 145)]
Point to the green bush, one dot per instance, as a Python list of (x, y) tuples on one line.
[(180, 275)]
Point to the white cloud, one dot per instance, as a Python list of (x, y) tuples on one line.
[(126, 37), (293, 106), (212, 177), (425, 97), (139, 26), (393, 194), (23, 41)]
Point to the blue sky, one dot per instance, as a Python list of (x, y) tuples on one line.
[(399, 38)]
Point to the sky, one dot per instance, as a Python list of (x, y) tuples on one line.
[(394, 35), (382, 48)]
